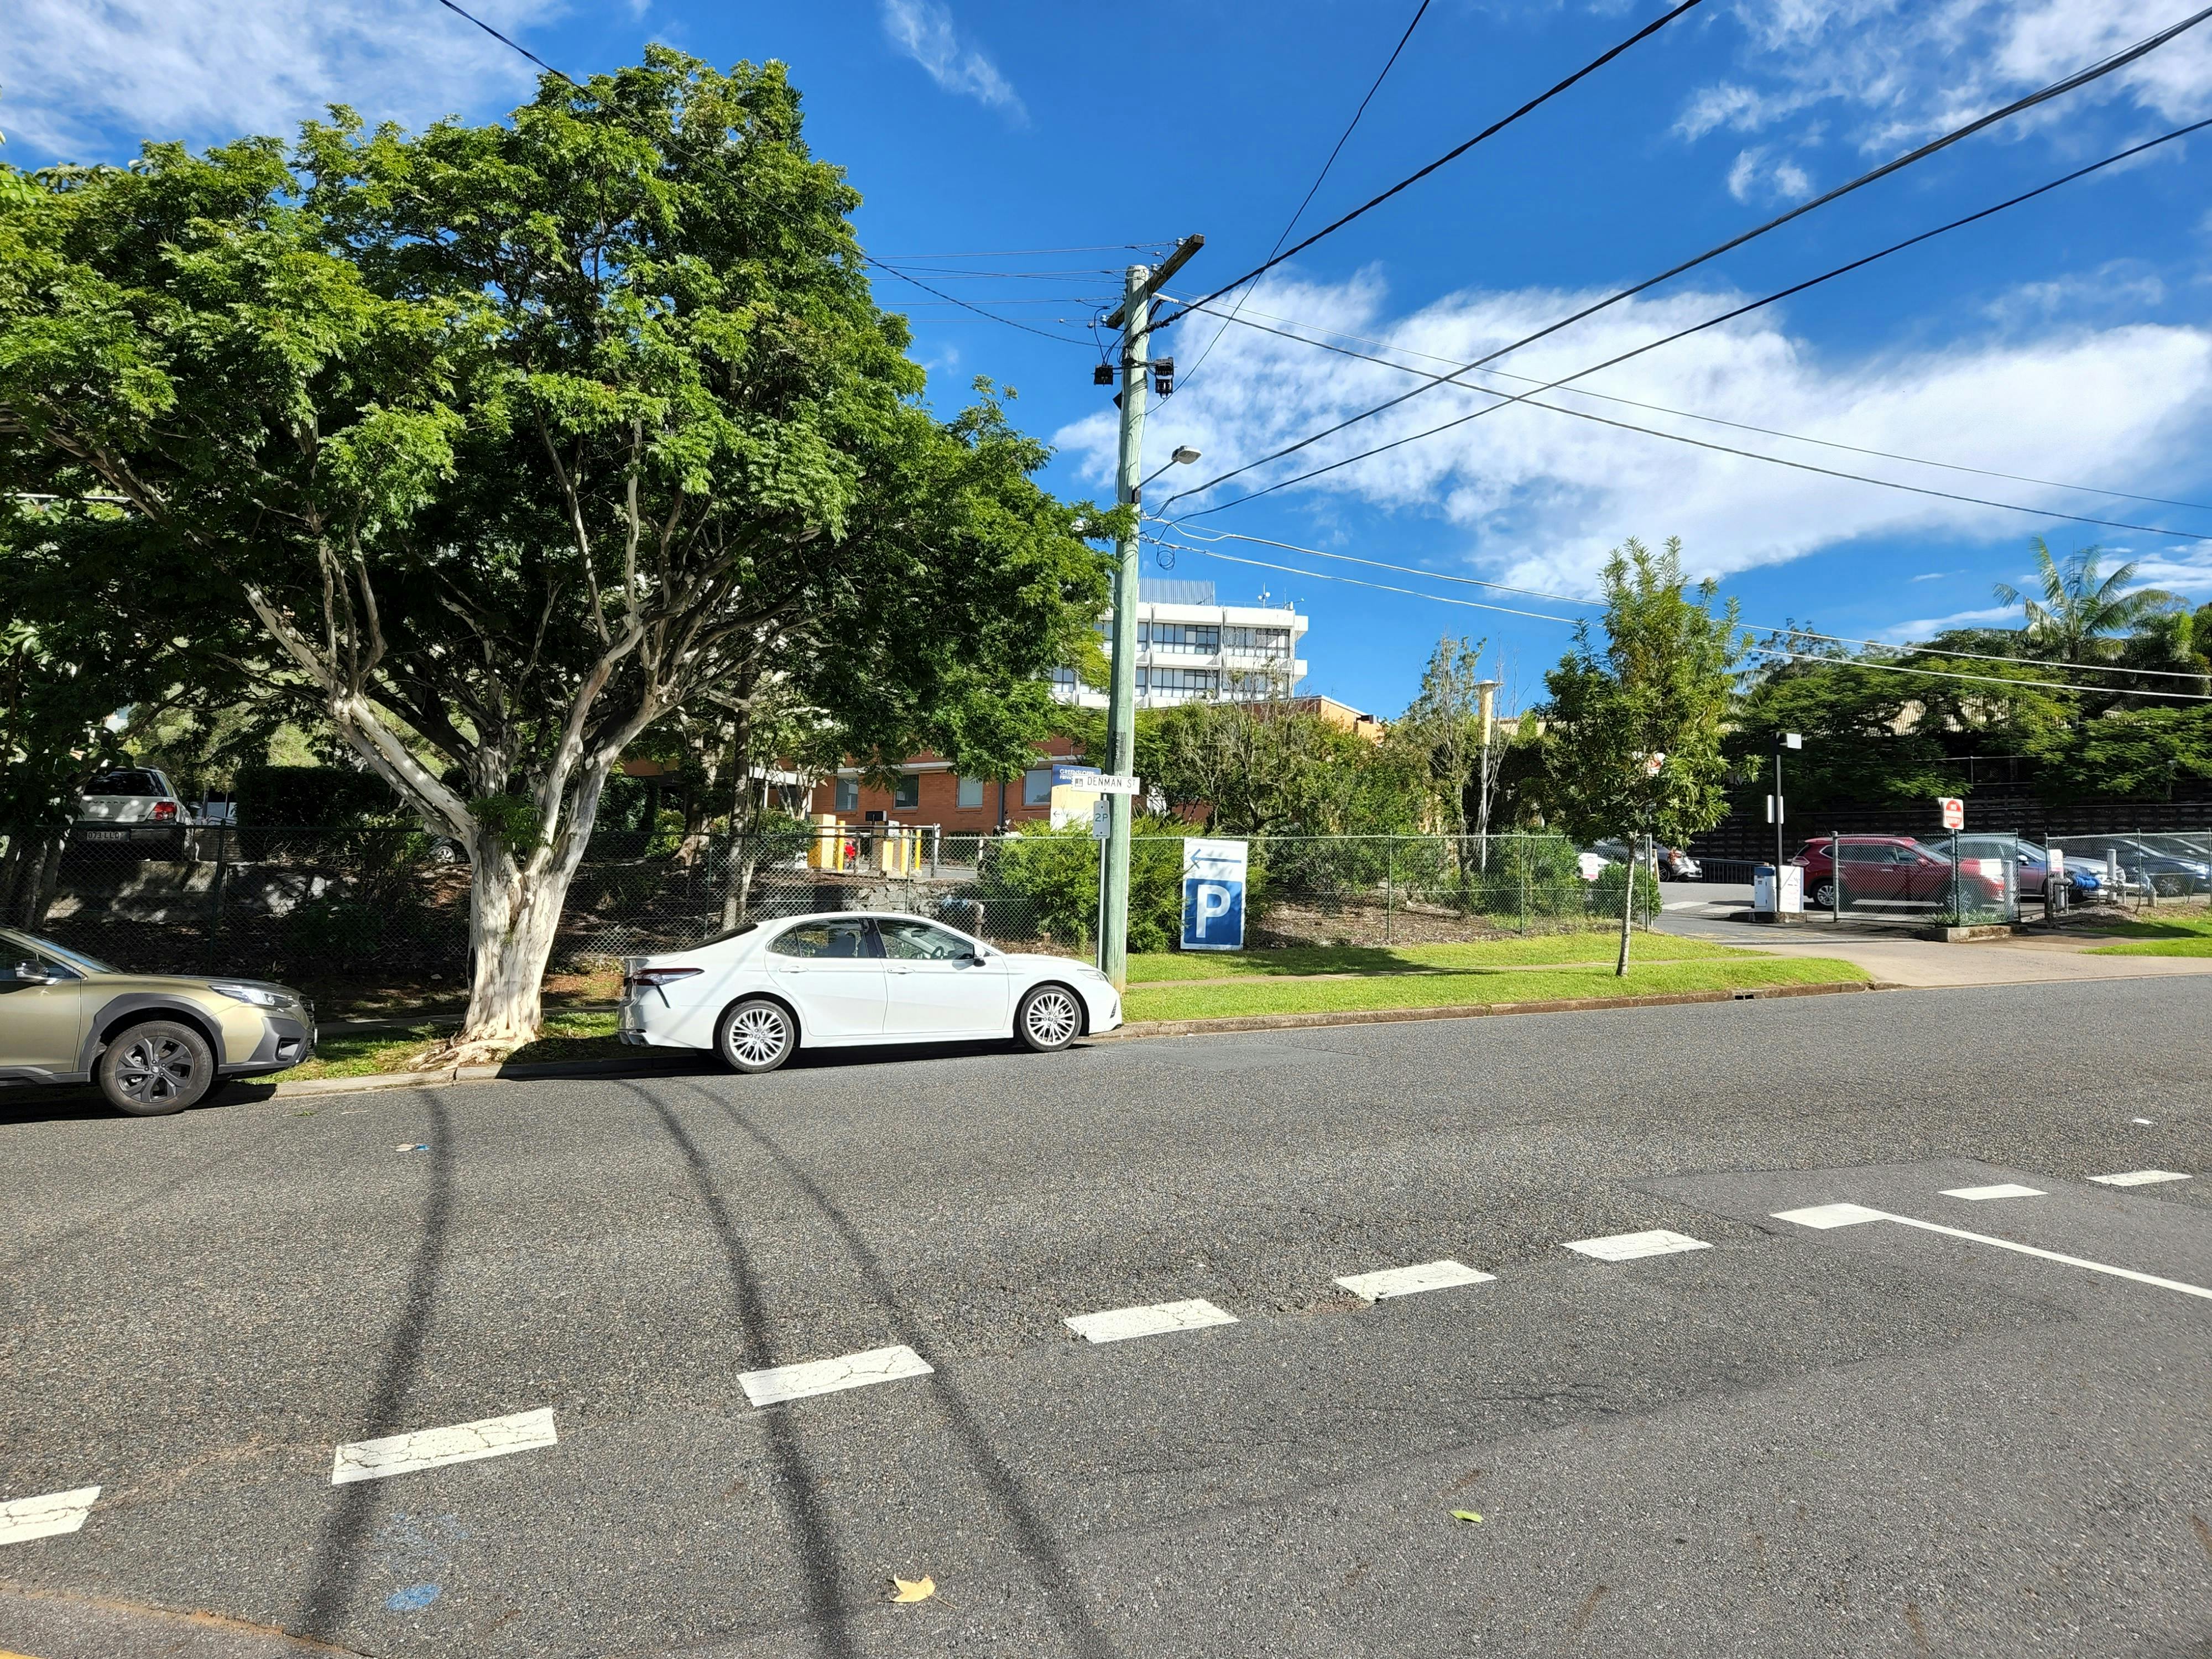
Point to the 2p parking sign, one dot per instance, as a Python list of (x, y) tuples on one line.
[(1213, 894)]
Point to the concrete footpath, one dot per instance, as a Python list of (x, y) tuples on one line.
[(1709, 912)]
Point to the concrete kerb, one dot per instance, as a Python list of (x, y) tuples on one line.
[(447, 1075)]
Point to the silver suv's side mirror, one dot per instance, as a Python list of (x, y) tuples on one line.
[(30, 973)]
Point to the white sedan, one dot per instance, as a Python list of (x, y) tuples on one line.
[(849, 978)]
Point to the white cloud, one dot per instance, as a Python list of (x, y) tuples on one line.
[(87, 79), (923, 30), (1783, 181), (1543, 497), (1915, 68), (1929, 627), (1936, 575)]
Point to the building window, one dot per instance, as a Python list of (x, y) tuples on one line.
[(1191, 682), (971, 795), (1185, 639), (1064, 677), (849, 795), (907, 793), (1036, 787), (1257, 641)]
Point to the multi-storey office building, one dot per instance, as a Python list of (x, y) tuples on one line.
[(1191, 649)]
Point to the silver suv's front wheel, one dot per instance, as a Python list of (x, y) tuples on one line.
[(756, 1035), (1048, 1019)]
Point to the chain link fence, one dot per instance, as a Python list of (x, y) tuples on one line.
[(387, 907)]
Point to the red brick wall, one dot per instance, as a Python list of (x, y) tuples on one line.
[(940, 796)]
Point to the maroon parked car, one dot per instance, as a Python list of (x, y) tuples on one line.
[(1889, 871)]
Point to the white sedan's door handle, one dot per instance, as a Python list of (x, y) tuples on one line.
[(896, 968)]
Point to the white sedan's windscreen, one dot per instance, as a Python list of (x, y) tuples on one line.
[(917, 941), (824, 938)]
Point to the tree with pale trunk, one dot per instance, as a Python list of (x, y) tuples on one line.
[(1632, 738), (516, 438)]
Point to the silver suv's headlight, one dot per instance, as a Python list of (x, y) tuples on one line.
[(260, 995)]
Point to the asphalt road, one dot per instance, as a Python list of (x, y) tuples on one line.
[(1864, 1440)]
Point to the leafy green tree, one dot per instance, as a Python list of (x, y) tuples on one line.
[(1441, 730), (1634, 743), (517, 438), (2128, 754), (104, 642), (2081, 607)]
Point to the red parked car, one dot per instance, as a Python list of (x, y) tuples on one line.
[(1892, 872)]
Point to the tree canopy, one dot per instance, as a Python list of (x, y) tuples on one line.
[(516, 437)]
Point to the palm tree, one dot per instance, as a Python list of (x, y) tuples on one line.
[(2080, 606)]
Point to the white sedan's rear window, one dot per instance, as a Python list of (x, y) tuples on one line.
[(822, 939)]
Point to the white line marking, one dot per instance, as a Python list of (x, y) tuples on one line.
[(433, 1448), (2002, 1189), (1120, 1324), (42, 1517), (2138, 1178), (1833, 1215), (1405, 1281), (852, 1371), (1628, 1247)]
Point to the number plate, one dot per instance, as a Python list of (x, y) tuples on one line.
[(106, 834)]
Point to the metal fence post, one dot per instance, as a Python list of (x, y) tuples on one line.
[(215, 899), (1390, 885), (1835, 877), (1523, 862)]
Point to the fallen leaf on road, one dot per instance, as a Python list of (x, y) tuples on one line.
[(913, 1590), (1465, 1515)]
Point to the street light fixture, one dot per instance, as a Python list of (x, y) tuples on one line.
[(1182, 457)]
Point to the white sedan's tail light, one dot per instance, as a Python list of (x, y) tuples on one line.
[(653, 978)]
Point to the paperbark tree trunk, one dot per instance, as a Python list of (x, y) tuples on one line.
[(514, 915)]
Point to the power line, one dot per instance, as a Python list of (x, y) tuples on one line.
[(1042, 333), (1577, 599), (1435, 380), (504, 41), (1495, 127), (1307, 200), (1750, 649), (1031, 252), (1533, 402), (2055, 89), (1009, 321), (1740, 426)]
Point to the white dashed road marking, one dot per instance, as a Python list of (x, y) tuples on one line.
[(42, 1517), (2002, 1189), (1120, 1324), (1405, 1281), (852, 1371), (2138, 1178), (1848, 1215), (433, 1448), (1628, 1247)]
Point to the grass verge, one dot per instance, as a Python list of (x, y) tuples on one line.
[(1224, 999), (1542, 950), (364, 1053)]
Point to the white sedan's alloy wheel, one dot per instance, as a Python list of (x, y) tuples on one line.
[(757, 1036), (1049, 1019)]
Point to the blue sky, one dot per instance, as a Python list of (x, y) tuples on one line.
[(2065, 341)]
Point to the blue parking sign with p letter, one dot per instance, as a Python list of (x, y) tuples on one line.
[(1212, 894)]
